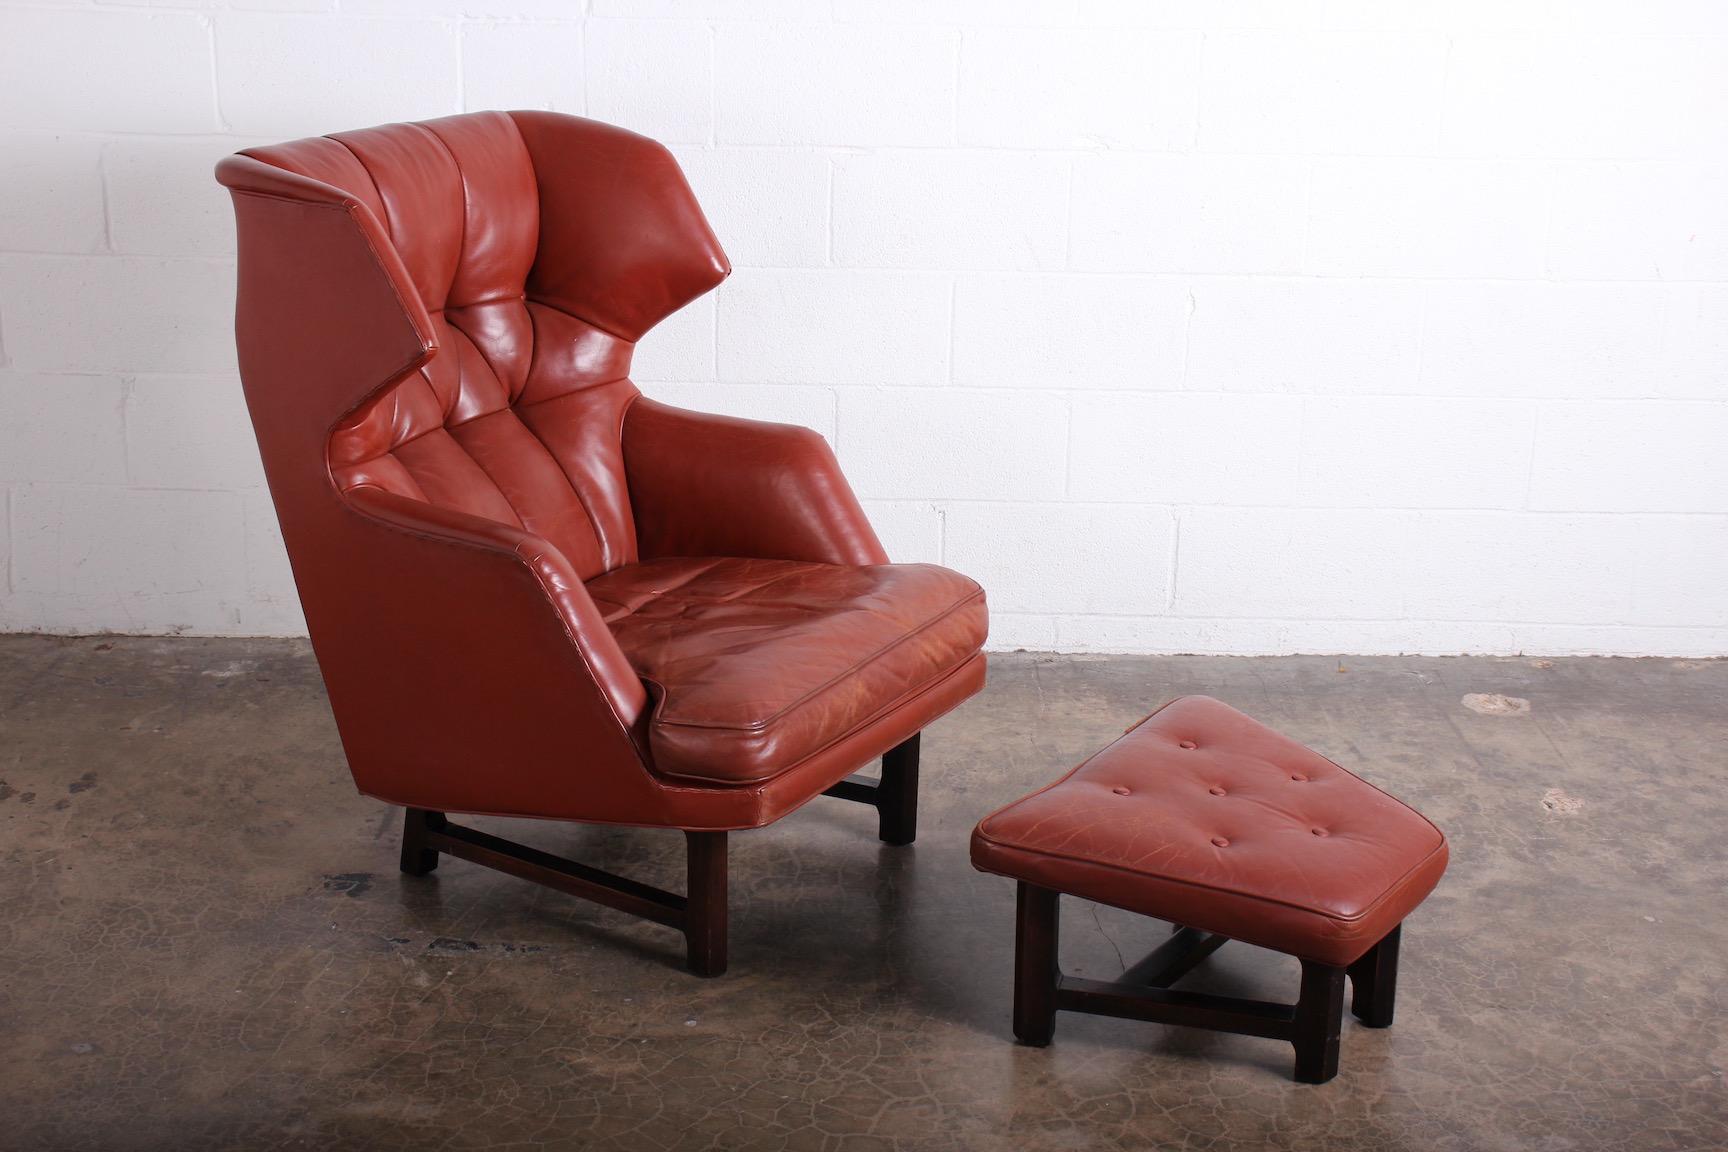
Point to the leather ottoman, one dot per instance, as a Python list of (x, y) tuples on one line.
[(1205, 818)]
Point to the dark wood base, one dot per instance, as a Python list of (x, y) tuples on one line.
[(701, 914), (894, 795), (1311, 1025)]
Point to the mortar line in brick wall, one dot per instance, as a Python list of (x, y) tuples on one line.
[(588, 71), (582, 56), (1445, 87), (1530, 469), (1247, 394), (1481, 159), (1067, 445), (1302, 250), (154, 257), (1421, 335), (461, 65), (1187, 333), (1303, 620), (1472, 159), (1057, 273), (953, 328), (1175, 555), (1276, 277), (1199, 87), (1068, 221), (828, 222), (1194, 506), (954, 98), (834, 407), (107, 200), (128, 389), (215, 77), (713, 71), (1548, 197)]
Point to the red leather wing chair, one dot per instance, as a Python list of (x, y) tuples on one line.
[(531, 590)]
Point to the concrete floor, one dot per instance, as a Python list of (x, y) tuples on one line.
[(204, 941)]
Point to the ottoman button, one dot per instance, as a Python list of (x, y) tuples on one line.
[(1216, 791), (1319, 831), (1119, 790), (1298, 777), (1187, 744), (1220, 842)]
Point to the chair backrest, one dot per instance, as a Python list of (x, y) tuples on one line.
[(541, 248)]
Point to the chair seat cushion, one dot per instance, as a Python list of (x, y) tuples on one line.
[(755, 665), (1203, 817)]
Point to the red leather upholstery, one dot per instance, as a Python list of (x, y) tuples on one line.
[(756, 664), (436, 324), (1203, 817)]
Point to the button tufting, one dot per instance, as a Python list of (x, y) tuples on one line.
[(1220, 842), (1119, 790), (1216, 791), (1299, 778), (1319, 831), (1187, 744)]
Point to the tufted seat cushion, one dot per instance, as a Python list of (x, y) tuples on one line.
[(755, 665), (1204, 817)]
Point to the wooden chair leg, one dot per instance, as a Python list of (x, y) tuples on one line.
[(705, 907), (1374, 982), (1319, 1018), (417, 859), (897, 800), (1037, 929)]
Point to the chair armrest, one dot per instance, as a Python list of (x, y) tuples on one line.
[(448, 537), (706, 485)]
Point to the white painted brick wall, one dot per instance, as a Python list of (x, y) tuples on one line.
[(1185, 325)]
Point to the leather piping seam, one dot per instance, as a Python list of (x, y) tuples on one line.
[(575, 489), (399, 374), (1332, 917), (383, 204), (632, 609), (544, 303), (572, 391), (905, 698), (462, 239), (445, 427), (759, 725), (522, 296), (346, 204), (633, 553)]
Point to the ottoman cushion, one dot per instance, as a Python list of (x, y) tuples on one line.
[(1204, 817)]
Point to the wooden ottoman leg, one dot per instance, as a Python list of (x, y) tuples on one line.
[(1319, 1017), (1374, 982), (1036, 928)]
